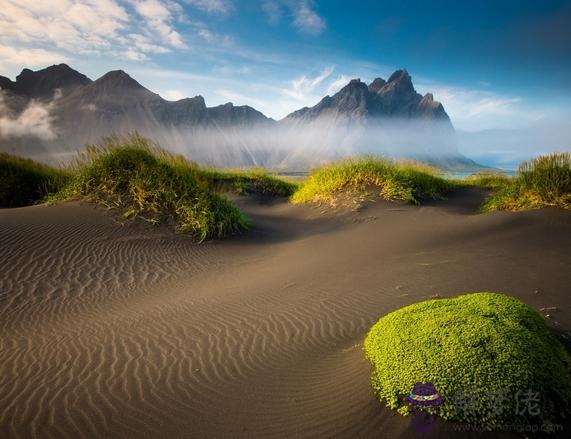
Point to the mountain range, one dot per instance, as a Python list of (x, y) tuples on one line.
[(51, 113)]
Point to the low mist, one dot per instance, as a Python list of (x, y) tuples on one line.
[(504, 148), (35, 120), (299, 146)]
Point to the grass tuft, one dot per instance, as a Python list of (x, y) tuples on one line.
[(249, 182), (488, 180), (392, 180), (143, 180), (25, 182), (473, 348), (542, 182)]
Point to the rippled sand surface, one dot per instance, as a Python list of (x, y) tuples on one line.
[(118, 330)]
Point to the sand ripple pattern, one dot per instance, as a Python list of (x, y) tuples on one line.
[(112, 331)]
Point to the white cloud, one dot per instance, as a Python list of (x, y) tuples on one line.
[(337, 84), (474, 109), (80, 26), (158, 17), (118, 28), (134, 55), (302, 88), (34, 121), (29, 57), (173, 95), (306, 19), (273, 10), (217, 6), (303, 15), (144, 44)]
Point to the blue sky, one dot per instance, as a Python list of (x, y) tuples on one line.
[(494, 64)]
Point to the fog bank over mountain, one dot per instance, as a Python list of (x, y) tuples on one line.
[(52, 113)]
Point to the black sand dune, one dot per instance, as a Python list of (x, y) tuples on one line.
[(117, 330)]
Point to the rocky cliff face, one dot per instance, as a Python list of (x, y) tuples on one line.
[(76, 110), (358, 102), (44, 83)]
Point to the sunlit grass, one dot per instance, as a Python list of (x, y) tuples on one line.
[(488, 180), (542, 182), (143, 180), (390, 180), (251, 181)]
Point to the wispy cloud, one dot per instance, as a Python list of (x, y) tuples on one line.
[(303, 14), (337, 84), (302, 88), (158, 17), (132, 29), (475, 109), (306, 19), (213, 6), (29, 57), (273, 10), (35, 121), (173, 95)]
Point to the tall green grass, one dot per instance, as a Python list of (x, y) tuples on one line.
[(542, 182), (391, 180), (143, 180), (488, 180), (247, 182), (24, 182)]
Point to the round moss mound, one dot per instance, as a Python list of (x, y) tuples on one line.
[(491, 357)]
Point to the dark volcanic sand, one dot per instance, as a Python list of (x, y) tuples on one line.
[(111, 330)]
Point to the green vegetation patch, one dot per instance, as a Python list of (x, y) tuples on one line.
[(488, 180), (145, 181), (542, 182), (394, 181), (25, 182), (250, 182), (491, 357)]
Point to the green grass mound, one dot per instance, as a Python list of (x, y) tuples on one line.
[(251, 182), (484, 352), (25, 182), (542, 182), (488, 180), (145, 181), (393, 181)]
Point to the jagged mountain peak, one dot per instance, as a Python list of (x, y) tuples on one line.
[(401, 81), (118, 78), (42, 84), (376, 85), (395, 97)]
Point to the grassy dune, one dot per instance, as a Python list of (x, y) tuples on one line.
[(147, 182), (26, 182), (247, 182), (391, 180), (143, 180), (542, 182)]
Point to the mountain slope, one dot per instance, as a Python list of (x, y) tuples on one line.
[(395, 98), (359, 118)]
